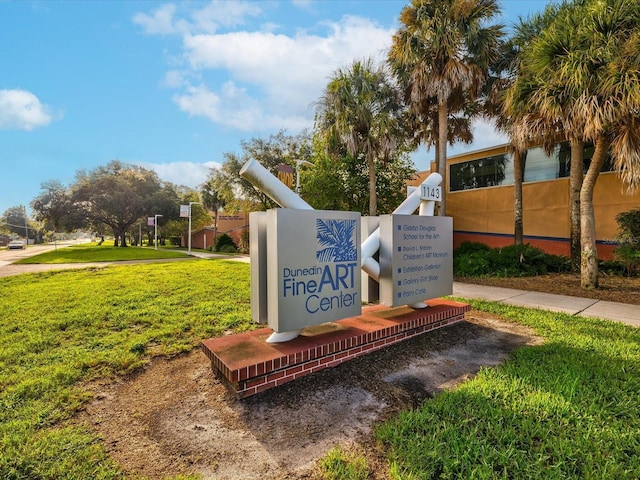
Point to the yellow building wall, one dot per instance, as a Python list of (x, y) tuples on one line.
[(490, 210), (545, 208), (609, 199)]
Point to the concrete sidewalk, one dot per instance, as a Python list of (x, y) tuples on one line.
[(586, 307)]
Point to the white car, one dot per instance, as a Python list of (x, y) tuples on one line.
[(15, 244)]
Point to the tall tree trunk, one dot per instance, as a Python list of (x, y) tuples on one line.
[(518, 178), (589, 253), (438, 206), (373, 199), (442, 152), (575, 184)]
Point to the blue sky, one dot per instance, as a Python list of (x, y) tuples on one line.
[(173, 86)]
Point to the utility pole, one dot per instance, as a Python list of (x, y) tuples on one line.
[(155, 224), (26, 228)]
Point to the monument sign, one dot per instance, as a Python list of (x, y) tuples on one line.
[(416, 258), (306, 269), (313, 267)]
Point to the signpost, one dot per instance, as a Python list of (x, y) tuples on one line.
[(306, 270), (430, 192), (155, 223), (185, 211)]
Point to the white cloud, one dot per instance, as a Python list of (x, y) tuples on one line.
[(173, 79), (199, 101), (164, 20), (284, 74), (227, 14), (252, 78), (303, 4), (22, 110), (161, 22), (189, 174), (235, 108)]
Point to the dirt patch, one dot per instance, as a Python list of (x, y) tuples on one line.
[(175, 417)]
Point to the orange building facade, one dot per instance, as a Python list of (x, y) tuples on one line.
[(480, 198), (232, 225)]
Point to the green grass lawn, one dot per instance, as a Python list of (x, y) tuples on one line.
[(566, 409), (569, 408), (103, 253), (59, 329)]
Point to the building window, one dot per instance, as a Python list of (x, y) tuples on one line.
[(498, 169), (483, 172), (539, 166)]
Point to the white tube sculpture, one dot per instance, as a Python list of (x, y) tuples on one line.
[(266, 182)]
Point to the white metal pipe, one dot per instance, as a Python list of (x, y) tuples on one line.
[(371, 267), (427, 208), (372, 243), (266, 182)]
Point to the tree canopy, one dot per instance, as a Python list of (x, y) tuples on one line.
[(237, 194), (581, 76), (114, 196), (441, 56), (360, 113)]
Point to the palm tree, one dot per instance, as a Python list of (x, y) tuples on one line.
[(422, 124), (212, 199), (543, 115), (360, 112), (514, 118), (585, 74), (441, 56)]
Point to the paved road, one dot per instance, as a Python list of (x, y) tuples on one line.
[(10, 256)]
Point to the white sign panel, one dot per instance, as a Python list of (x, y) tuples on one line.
[(313, 267), (258, 246), (416, 258), (184, 211), (430, 192)]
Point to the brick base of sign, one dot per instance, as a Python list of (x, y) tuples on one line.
[(250, 365)]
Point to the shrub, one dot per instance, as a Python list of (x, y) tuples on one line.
[(628, 253), (629, 226), (476, 260), (466, 248), (612, 267), (475, 264), (223, 242), (628, 256)]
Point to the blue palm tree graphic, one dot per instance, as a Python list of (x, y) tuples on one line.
[(337, 238)]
